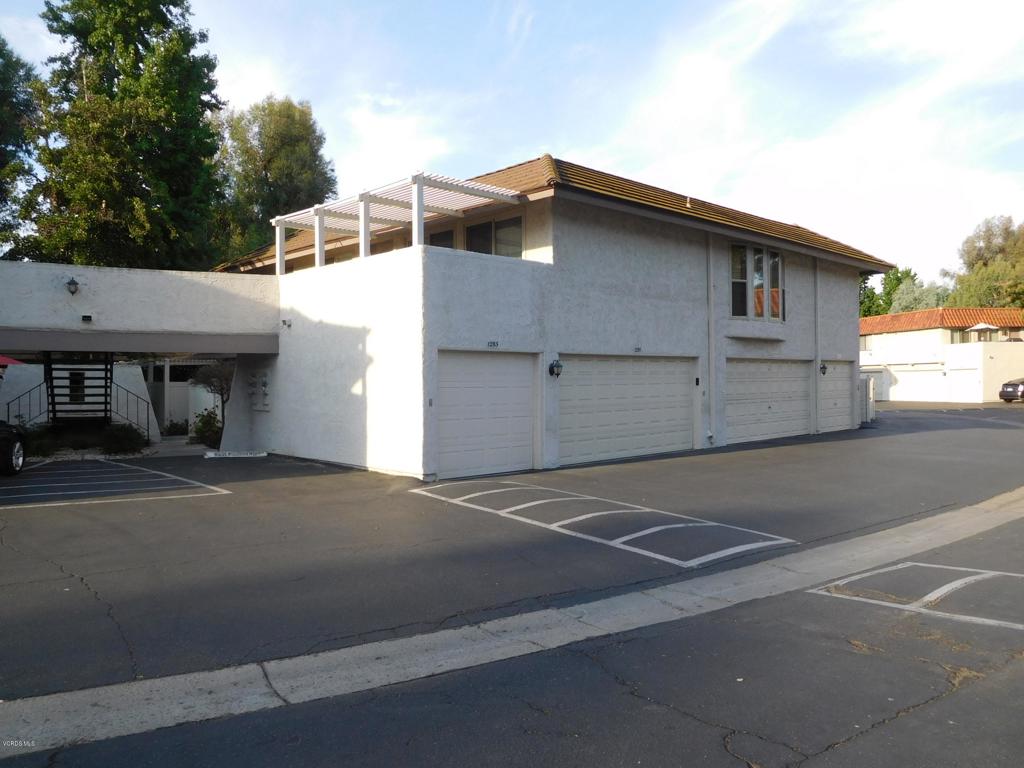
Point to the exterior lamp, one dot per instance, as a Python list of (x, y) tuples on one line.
[(555, 369), (72, 286), (823, 369)]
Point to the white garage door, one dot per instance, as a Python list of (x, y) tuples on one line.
[(766, 399), (614, 407), (835, 397), (485, 413), (918, 385)]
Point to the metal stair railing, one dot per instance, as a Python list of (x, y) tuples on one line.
[(28, 406), (135, 411)]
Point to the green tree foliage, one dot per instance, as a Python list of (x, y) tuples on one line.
[(272, 163), (125, 137), (873, 302), (869, 299), (913, 295), (16, 109), (992, 272)]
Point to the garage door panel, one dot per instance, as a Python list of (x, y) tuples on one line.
[(767, 399), (485, 411), (835, 397), (616, 407)]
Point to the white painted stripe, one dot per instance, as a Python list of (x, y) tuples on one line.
[(655, 529), (94, 492), (947, 589), (488, 493), (139, 706), (572, 496), (98, 471), (539, 502), (86, 482), (914, 608), (599, 514), (37, 465), (712, 556), (213, 488), (114, 499), (968, 570)]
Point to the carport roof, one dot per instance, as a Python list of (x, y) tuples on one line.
[(547, 172)]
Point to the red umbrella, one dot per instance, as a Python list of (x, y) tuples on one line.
[(4, 360)]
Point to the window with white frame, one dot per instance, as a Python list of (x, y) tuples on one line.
[(758, 283)]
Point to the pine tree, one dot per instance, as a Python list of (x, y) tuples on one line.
[(126, 140)]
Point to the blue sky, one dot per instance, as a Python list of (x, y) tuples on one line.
[(892, 125)]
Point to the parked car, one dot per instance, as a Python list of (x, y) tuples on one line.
[(1012, 390), (12, 449)]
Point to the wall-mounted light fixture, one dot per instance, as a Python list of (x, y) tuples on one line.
[(823, 369), (555, 369), (72, 286)]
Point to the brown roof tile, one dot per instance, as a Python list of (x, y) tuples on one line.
[(546, 171), (943, 317)]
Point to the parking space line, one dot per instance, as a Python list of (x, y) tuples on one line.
[(599, 514), (655, 529), (83, 482), (488, 493), (920, 606), (122, 481), (539, 502), (937, 594), (766, 539)]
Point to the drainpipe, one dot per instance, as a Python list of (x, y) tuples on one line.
[(815, 375), (709, 380), (167, 391)]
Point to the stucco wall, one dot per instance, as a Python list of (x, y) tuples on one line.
[(34, 297), (346, 385), (922, 366), (622, 284)]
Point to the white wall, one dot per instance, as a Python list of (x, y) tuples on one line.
[(920, 366), (622, 284), (347, 384), (356, 375), (34, 296)]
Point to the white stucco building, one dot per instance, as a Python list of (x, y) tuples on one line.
[(420, 326), (953, 355)]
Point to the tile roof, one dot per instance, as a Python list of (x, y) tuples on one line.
[(545, 171), (943, 317)]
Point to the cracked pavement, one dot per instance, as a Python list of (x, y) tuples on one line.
[(302, 558)]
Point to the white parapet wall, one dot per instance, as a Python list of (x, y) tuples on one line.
[(347, 384), (135, 310)]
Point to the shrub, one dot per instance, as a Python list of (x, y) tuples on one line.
[(122, 438), (173, 427), (41, 442), (208, 428)]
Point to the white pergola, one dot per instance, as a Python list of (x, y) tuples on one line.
[(401, 204)]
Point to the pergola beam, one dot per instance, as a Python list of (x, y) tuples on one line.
[(439, 209), (466, 189), (373, 219)]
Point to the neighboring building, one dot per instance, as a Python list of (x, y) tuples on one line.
[(955, 355), (424, 325)]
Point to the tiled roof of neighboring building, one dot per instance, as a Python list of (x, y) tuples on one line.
[(546, 171), (943, 317)]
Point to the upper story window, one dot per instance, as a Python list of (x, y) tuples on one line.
[(445, 239), (758, 288), (501, 238)]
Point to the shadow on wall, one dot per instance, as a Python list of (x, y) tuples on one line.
[(309, 401)]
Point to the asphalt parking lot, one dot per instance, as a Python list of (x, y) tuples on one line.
[(257, 559)]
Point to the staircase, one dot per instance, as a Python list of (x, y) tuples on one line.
[(78, 387)]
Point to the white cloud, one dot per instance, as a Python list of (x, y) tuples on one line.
[(383, 139), (30, 39), (242, 82), (901, 175)]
